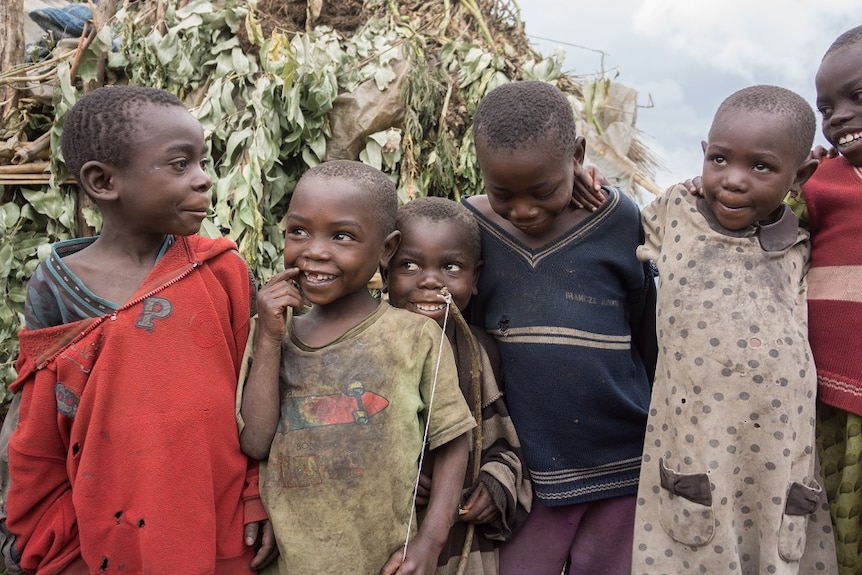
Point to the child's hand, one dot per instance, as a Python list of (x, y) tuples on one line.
[(261, 533), (273, 299), (820, 153), (587, 191), (423, 491), (480, 507), (421, 559), (694, 186)]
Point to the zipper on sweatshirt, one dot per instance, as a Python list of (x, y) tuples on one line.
[(113, 315)]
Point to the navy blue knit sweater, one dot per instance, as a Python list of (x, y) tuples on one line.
[(573, 320)]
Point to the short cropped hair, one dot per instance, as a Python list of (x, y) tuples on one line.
[(849, 38), (443, 210), (101, 125), (519, 113), (373, 183), (782, 103)]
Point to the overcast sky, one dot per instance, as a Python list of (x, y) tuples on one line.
[(686, 56)]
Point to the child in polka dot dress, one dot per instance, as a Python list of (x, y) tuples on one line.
[(729, 482)]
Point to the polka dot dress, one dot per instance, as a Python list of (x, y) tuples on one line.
[(729, 483)]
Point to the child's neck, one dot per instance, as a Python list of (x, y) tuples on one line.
[(129, 266), (324, 324)]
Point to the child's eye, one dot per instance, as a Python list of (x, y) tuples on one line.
[(180, 165), (718, 160), (342, 237), (205, 163), (761, 167), (825, 111), (410, 266), (297, 231), (856, 97), (453, 267)]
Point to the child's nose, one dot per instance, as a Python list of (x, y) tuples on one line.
[(520, 211), (840, 114), (202, 180), (736, 179), (316, 249), (431, 279)]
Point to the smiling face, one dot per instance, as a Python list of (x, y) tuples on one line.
[(432, 255), (335, 240), (839, 100), (530, 187), (750, 163), (165, 187)]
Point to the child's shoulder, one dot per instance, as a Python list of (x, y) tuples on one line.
[(406, 320), (480, 205)]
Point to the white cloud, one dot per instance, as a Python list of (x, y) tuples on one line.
[(687, 56), (747, 37)]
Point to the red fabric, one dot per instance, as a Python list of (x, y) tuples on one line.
[(127, 450), (834, 200)]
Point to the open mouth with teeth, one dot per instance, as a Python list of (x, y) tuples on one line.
[(848, 139), (316, 278), (429, 307)]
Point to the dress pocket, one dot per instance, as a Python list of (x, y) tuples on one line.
[(802, 501), (686, 512)]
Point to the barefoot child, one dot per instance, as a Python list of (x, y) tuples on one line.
[(337, 397), (729, 482), (440, 247)]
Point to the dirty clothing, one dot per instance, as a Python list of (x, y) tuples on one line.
[(575, 325), (565, 317), (502, 469), (833, 197), (831, 202), (338, 484), (729, 482), (126, 452), (592, 538)]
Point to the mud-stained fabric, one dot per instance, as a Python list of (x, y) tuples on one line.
[(729, 482), (502, 471), (338, 484), (568, 319)]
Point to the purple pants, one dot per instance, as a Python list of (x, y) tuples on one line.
[(596, 538)]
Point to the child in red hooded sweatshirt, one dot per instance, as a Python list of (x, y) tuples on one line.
[(126, 458)]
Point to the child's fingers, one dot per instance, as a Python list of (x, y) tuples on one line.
[(282, 276)]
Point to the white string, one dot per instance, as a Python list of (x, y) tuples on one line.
[(447, 297)]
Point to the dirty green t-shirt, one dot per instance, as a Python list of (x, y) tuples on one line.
[(338, 485)]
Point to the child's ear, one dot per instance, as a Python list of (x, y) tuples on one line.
[(703, 144), (476, 272), (580, 149), (805, 171), (384, 277), (390, 246), (97, 179)]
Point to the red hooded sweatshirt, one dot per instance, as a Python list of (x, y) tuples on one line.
[(127, 451)]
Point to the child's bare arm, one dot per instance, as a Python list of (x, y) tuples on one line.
[(450, 467), (260, 400)]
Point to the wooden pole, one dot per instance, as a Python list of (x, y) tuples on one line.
[(11, 47)]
